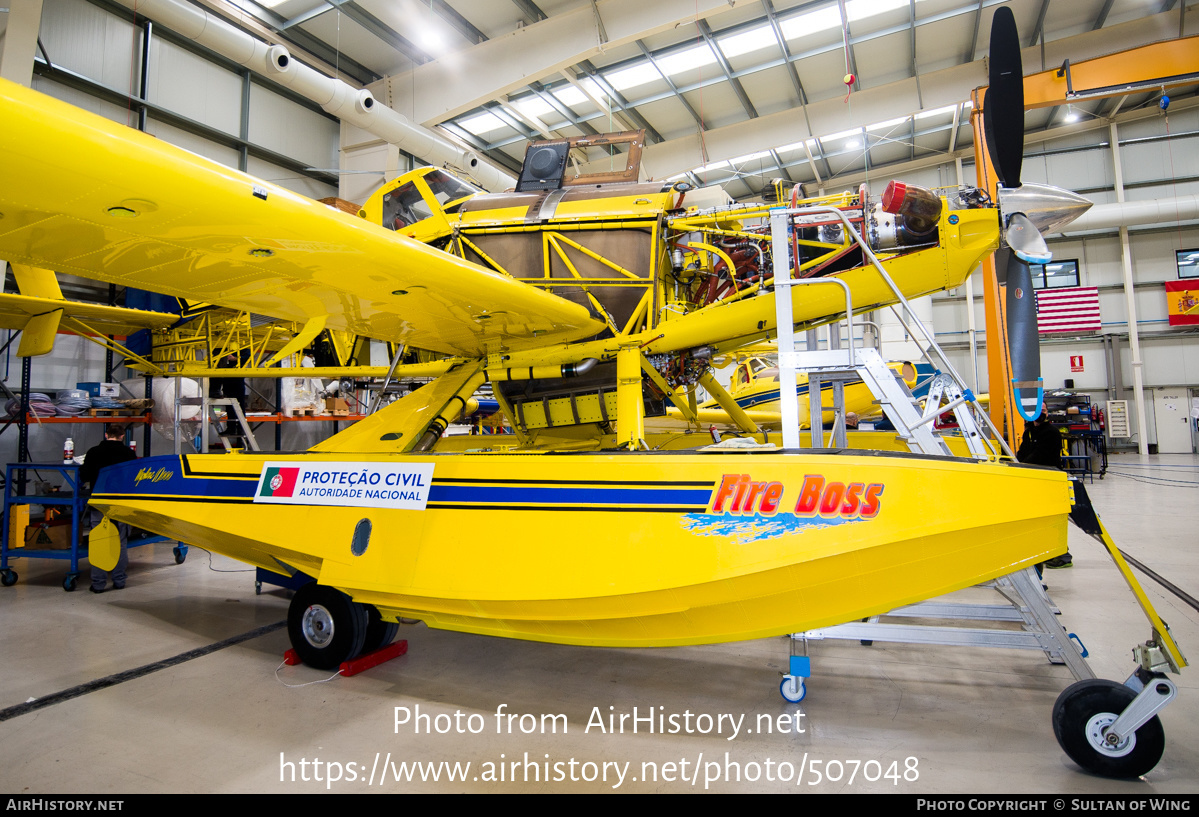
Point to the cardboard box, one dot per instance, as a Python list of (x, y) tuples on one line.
[(337, 406), (43, 536), (100, 389)]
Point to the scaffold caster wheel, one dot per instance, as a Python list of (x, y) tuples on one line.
[(70, 582), (180, 555), (793, 689), (1081, 716), (8, 577)]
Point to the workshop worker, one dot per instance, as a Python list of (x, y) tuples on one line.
[(112, 451), (1042, 445)]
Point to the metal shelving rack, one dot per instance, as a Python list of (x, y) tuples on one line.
[(1085, 443)]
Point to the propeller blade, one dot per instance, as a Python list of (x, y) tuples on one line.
[(1024, 345), (1003, 102)]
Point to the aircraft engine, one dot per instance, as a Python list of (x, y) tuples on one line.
[(907, 216)]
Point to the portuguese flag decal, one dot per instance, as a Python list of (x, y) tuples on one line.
[(279, 481)]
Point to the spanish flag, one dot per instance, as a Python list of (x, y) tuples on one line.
[(1182, 302)]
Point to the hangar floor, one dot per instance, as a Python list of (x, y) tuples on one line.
[(933, 720)]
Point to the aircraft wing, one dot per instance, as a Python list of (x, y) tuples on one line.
[(27, 312), (85, 195)]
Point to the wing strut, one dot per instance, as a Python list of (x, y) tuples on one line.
[(403, 426)]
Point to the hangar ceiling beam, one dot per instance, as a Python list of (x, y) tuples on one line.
[(530, 11), (351, 106), (1038, 31), (459, 23), (363, 18), (669, 83), (564, 111), (629, 111), (915, 69), (723, 61), (932, 90), (852, 67), (599, 102), (272, 28), (891, 101), (801, 96), (978, 21), (1103, 12), (383, 31), (447, 87)]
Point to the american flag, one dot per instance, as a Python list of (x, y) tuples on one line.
[(1074, 309)]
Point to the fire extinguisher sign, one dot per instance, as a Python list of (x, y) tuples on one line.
[(1076, 363)]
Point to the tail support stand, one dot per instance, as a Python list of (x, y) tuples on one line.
[(1108, 728)]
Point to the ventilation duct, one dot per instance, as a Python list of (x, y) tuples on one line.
[(358, 107)]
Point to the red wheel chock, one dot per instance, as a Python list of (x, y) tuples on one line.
[(362, 662), (374, 659)]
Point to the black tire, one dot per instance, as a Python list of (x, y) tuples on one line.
[(379, 633), (70, 582), (1079, 715), (8, 577), (325, 626)]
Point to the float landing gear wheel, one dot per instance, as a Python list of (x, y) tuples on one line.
[(1081, 716), (793, 689), (8, 577), (325, 626), (379, 633)]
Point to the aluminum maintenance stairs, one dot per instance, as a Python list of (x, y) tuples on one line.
[(234, 433), (913, 425), (1025, 600)]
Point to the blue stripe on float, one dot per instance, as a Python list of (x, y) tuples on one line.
[(491, 494)]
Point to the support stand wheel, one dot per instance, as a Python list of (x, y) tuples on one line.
[(325, 626), (379, 633), (70, 582), (1081, 716), (793, 689), (180, 554), (8, 577)]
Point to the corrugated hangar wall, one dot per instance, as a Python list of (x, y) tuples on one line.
[(216, 109), (197, 103)]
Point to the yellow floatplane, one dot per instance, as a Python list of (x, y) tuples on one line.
[(618, 545), (588, 305)]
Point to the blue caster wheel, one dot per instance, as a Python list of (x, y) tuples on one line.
[(793, 689), (180, 555), (70, 582), (8, 577)]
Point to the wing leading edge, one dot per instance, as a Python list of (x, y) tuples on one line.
[(88, 196)]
